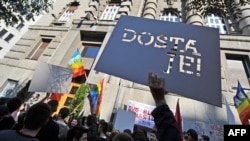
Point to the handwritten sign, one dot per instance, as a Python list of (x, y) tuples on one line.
[(143, 113)]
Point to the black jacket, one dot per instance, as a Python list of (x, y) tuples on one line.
[(49, 132), (166, 124)]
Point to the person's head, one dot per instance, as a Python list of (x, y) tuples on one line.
[(91, 119), (36, 96), (53, 105), (110, 127), (122, 137), (3, 111), (74, 122), (152, 136), (103, 127), (139, 135), (204, 138), (128, 131), (64, 112), (84, 120), (77, 133), (191, 135), (37, 116), (13, 104)]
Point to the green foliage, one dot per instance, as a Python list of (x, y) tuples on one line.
[(78, 101), (13, 11), (219, 7), (206, 6)]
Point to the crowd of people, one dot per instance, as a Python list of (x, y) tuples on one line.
[(37, 123)]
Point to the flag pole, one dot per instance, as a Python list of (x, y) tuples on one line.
[(116, 101)]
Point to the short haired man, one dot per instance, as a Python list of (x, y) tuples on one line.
[(36, 117)]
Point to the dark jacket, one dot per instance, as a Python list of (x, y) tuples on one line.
[(166, 124), (49, 132), (92, 132)]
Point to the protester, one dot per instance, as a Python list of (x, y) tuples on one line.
[(20, 121), (92, 127), (112, 135), (15, 106), (84, 121), (6, 120), (77, 133), (102, 130), (138, 135), (36, 117), (122, 137), (164, 119), (50, 131), (152, 136), (191, 135), (63, 127), (128, 131), (204, 138)]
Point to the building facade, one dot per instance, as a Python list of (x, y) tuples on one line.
[(88, 25), (9, 35)]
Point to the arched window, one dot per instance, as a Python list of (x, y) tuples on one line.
[(216, 21), (169, 16)]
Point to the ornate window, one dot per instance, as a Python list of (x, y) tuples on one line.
[(169, 16), (216, 21), (68, 13), (110, 12)]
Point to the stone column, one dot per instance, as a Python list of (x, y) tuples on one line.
[(150, 9), (242, 14), (194, 17)]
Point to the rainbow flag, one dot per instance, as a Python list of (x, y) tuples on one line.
[(242, 105), (93, 99), (76, 64), (99, 102)]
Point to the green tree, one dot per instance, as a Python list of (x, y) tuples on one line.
[(205, 6), (78, 101), (13, 11)]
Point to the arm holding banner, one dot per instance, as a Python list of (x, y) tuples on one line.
[(163, 116)]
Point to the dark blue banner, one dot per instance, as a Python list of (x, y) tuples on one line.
[(188, 56)]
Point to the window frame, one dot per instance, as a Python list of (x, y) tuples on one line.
[(222, 21), (9, 37), (106, 12), (67, 14), (88, 47), (245, 59), (20, 26), (6, 86), (3, 32), (41, 47), (170, 15)]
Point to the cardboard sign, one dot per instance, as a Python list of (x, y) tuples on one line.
[(187, 56), (122, 116), (50, 78)]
